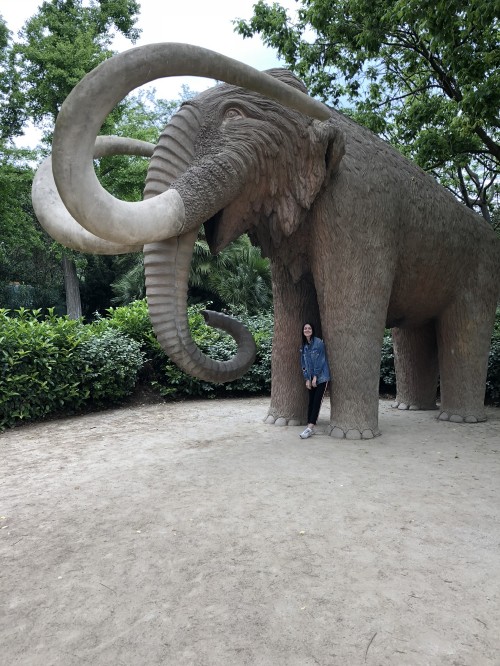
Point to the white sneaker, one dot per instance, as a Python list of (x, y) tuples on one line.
[(307, 433)]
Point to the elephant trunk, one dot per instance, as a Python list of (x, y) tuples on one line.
[(167, 264)]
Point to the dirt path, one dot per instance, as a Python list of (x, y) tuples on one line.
[(194, 534)]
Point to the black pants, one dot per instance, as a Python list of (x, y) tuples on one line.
[(316, 396)]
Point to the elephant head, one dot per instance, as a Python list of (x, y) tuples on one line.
[(242, 153)]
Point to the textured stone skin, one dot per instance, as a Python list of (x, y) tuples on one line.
[(358, 241), (358, 237)]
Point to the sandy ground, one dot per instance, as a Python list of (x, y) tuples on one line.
[(193, 533)]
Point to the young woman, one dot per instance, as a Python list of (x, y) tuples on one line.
[(316, 373)]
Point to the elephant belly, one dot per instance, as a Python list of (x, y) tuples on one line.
[(426, 281), (410, 307)]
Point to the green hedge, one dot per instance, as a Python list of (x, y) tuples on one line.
[(54, 365), (111, 365), (39, 367), (387, 371)]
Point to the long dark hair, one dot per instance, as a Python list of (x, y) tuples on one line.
[(304, 339)]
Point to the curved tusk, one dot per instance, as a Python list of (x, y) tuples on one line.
[(54, 217), (86, 108), (110, 144)]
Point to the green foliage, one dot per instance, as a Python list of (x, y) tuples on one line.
[(60, 44), (387, 371), (173, 383), (493, 379), (39, 367), (54, 365), (258, 378), (493, 376), (242, 280), (12, 114), (29, 271), (112, 361), (133, 320), (130, 285), (95, 272)]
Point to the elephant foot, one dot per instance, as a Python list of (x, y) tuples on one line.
[(282, 420), (339, 433), (399, 404), (459, 418)]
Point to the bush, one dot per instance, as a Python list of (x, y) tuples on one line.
[(39, 368), (171, 382), (51, 365), (258, 378), (111, 361), (387, 370), (133, 320), (493, 376)]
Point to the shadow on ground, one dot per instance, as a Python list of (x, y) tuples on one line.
[(194, 534)]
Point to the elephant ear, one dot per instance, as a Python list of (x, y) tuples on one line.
[(328, 134), (314, 151), (327, 147), (316, 159)]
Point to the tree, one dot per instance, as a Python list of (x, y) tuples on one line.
[(424, 75), (242, 278), (60, 44), (57, 47), (11, 116), (30, 272)]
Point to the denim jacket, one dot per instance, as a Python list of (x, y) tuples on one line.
[(314, 362)]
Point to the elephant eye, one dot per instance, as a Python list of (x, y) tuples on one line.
[(233, 114)]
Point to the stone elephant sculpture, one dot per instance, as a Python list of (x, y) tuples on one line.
[(358, 237)]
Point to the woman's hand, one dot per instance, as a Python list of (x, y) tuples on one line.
[(314, 382), (308, 384)]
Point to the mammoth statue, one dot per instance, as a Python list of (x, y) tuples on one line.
[(358, 237)]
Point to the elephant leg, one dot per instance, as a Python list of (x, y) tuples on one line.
[(417, 370), (464, 336), (353, 331), (294, 304)]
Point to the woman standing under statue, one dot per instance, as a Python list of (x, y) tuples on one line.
[(316, 373)]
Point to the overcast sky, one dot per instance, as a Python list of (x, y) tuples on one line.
[(205, 23)]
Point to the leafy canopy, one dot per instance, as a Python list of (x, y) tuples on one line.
[(59, 45), (56, 47)]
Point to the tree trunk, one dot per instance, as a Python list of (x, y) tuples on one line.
[(72, 287)]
